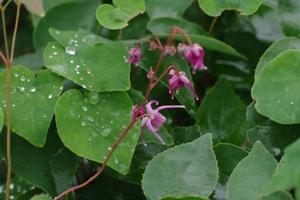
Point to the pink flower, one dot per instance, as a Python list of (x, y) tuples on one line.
[(194, 54), (153, 119), (177, 80), (134, 55)]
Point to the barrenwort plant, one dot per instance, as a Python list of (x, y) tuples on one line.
[(150, 99)]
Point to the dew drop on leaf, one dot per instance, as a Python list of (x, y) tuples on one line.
[(70, 50), (84, 108)]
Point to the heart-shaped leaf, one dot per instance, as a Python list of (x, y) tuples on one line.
[(81, 12), (176, 174), (223, 113), (275, 89), (118, 15), (167, 8), (288, 13), (54, 165), (88, 124), (275, 49), (97, 67), (216, 7), (258, 167), (33, 97)]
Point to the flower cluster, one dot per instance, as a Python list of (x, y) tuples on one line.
[(152, 119)]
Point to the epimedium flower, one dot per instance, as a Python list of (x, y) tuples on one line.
[(153, 119), (194, 54), (177, 80), (134, 55)]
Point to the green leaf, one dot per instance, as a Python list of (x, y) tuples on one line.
[(79, 11), (183, 134), (216, 45), (228, 156), (99, 68), (89, 124), (196, 176), (215, 8), (288, 171), (167, 8), (49, 4), (275, 137), (289, 13), (1, 119), (222, 113), (33, 97), (275, 49), (275, 89), (162, 26), (118, 15), (34, 6), (35, 165), (251, 176), (41, 197)]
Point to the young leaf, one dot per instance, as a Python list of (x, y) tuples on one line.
[(118, 15), (33, 97), (98, 68), (249, 179), (176, 174), (222, 113), (215, 8), (167, 8), (275, 89), (89, 124)]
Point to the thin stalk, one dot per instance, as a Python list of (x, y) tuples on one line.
[(13, 44), (8, 98), (2, 57), (212, 25), (162, 75), (4, 32)]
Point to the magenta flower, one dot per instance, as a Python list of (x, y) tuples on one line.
[(134, 55), (194, 54), (153, 119), (177, 80)]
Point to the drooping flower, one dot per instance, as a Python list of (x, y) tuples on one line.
[(134, 55), (194, 54), (153, 119), (169, 50), (137, 111), (177, 80)]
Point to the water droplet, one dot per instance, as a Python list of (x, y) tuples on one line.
[(111, 122), (109, 148), (70, 50), (83, 124), (53, 47), (106, 132), (50, 96), (84, 108), (89, 118), (116, 161), (90, 139), (278, 101), (61, 87), (55, 53), (32, 90), (276, 151), (93, 98), (16, 75), (21, 89), (44, 116), (292, 103), (72, 61), (22, 78), (13, 105), (77, 66)]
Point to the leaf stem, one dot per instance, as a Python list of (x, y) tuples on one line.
[(4, 31), (212, 25), (15, 32)]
